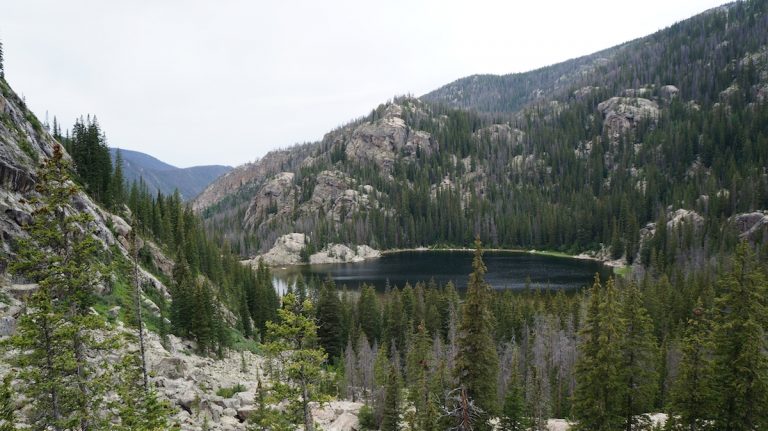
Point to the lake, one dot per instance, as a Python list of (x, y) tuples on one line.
[(506, 270)]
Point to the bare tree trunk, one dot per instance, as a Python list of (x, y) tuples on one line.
[(137, 289), (56, 413), (309, 425), (81, 378)]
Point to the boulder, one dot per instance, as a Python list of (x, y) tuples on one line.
[(243, 413), (171, 367), (752, 226), (21, 291), (120, 226), (22, 218), (345, 422), (231, 403), (339, 253), (669, 92), (7, 326), (681, 216), (245, 398), (286, 251), (114, 311), (187, 399)]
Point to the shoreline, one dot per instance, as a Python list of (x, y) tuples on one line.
[(618, 266)]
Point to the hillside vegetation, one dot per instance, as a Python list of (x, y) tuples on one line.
[(592, 151)]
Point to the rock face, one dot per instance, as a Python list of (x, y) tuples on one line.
[(334, 195), (751, 226), (23, 144), (681, 216), (274, 198), (386, 138), (286, 251), (501, 133), (288, 248), (251, 175), (281, 201), (621, 113), (337, 415), (338, 253)]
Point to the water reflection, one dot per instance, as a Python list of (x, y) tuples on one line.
[(506, 270)]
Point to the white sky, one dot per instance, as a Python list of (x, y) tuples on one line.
[(223, 82)]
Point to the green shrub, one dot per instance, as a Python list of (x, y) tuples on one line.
[(27, 148), (34, 121), (367, 418), (230, 392)]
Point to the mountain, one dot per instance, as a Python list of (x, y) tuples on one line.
[(589, 154), (48, 220), (160, 176)]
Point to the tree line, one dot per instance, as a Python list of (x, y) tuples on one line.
[(67, 359), (430, 357)]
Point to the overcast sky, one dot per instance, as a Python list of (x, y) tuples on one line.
[(223, 82)]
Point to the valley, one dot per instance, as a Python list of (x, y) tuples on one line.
[(579, 247)]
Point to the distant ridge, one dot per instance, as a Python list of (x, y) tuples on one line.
[(166, 178)]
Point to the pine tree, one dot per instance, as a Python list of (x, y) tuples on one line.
[(329, 328), (137, 406), (265, 418), (514, 415), (7, 407), (639, 357), (369, 314), (391, 418), (92, 160), (741, 365), (692, 406), (477, 366), (295, 337), (118, 180), (418, 363), (181, 298), (598, 395), (55, 336)]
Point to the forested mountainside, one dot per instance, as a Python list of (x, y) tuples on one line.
[(85, 260), (165, 178), (666, 128)]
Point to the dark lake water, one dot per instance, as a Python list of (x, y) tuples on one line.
[(506, 270)]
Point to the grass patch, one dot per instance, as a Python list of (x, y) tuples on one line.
[(34, 121), (4, 88), (551, 253), (27, 148), (621, 271), (230, 392), (23, 143), (240, 343)]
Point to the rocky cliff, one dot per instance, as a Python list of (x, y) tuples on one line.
[(205, 393), (292, 249)]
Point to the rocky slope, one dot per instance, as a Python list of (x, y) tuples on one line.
[(188, 381), (291, 249), (191, 383), (165, 178)]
